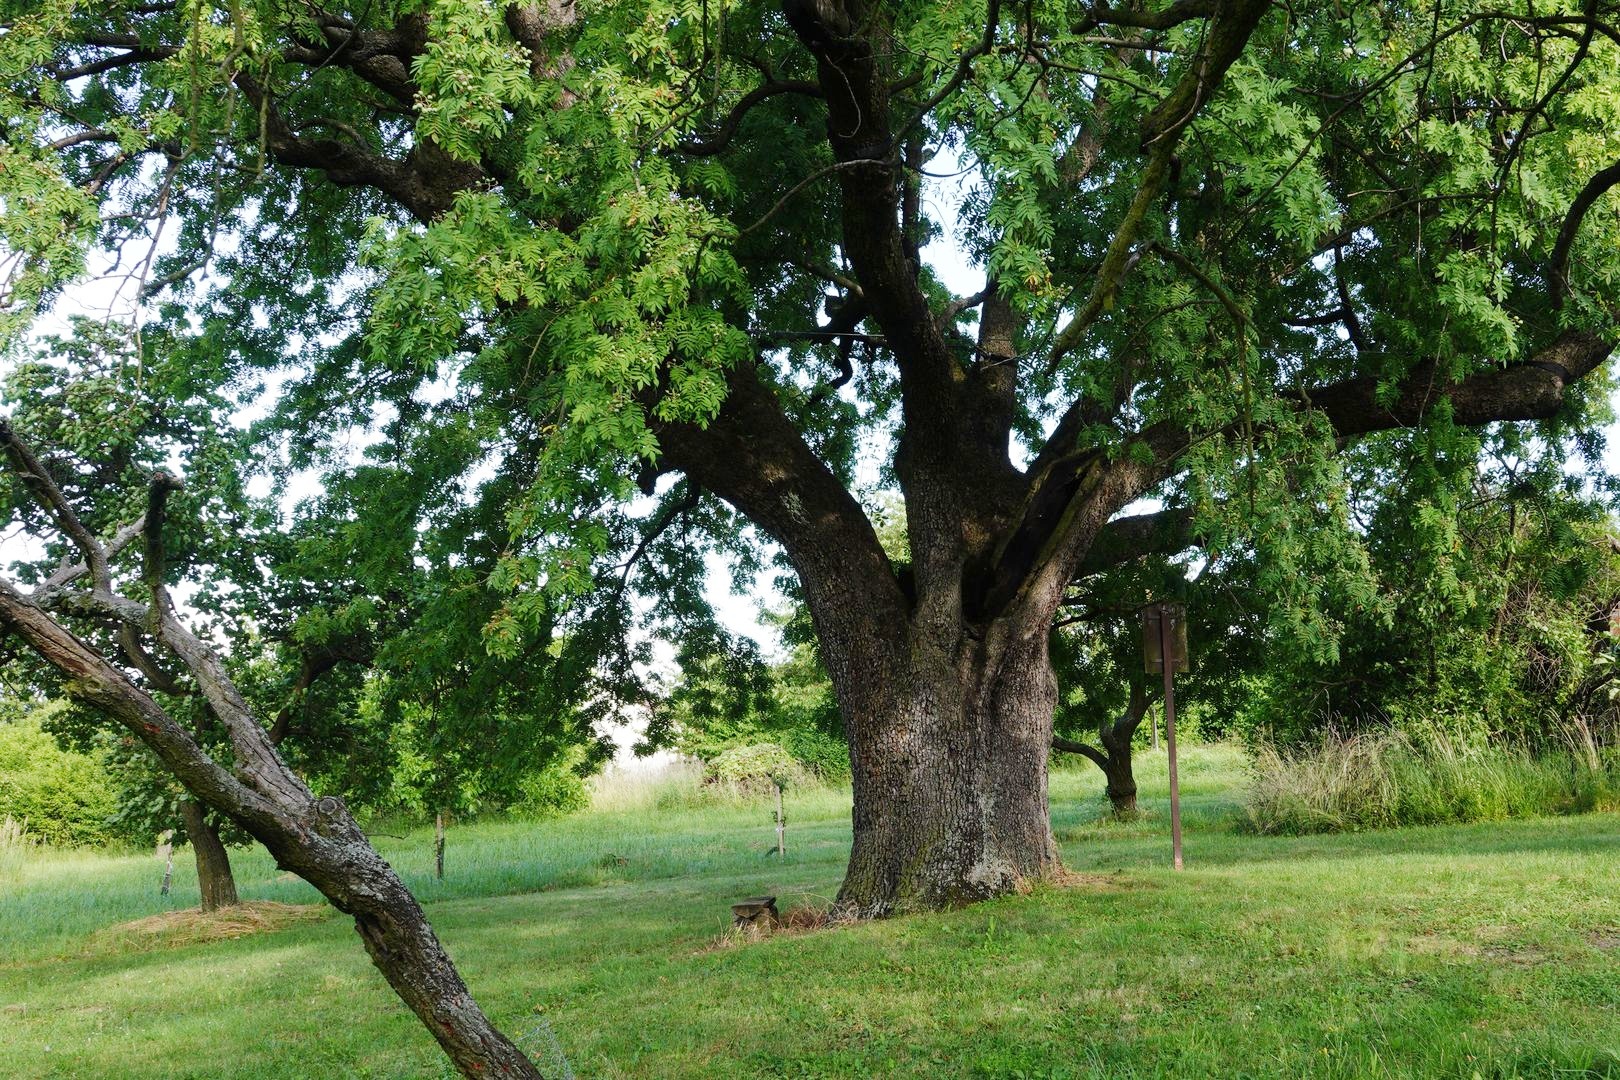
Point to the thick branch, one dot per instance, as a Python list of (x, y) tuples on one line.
[(752, 456), (94, 681), (37, 479), (858, 130), (425, 183), (1069, 746), (1125, 539), (1075, 494), (1558, 265), (1531, 390), (157, 500), (1177, 13)]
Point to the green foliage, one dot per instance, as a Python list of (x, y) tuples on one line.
[(554, 790), (728, 698), (59, 796), (1485, 615), (755, 767), (1384, 781)]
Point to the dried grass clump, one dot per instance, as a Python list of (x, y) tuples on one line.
[(793, 922), (193, 926)]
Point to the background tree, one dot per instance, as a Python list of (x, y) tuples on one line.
[(1220, 240), (1496, 581)]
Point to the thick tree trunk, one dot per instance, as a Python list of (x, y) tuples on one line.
[(214, 879), (1121, 789), (950, 781)]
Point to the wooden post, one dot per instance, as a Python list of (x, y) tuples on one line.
[(438, 845), (1164, 649), (165, 852), (1167, 652), (781, 824)]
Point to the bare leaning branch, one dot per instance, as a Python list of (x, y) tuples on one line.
[(312, 836)]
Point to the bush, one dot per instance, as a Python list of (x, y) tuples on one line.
[(1383, 781), (553, 791), (61, 797), (756, 767), (824, 756)]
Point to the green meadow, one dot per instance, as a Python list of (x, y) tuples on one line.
[(602, 940)]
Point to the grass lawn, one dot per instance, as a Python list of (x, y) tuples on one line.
[(1487, 950)]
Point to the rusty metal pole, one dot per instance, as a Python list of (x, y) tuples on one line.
[(1167, 653)]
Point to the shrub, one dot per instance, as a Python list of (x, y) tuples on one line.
[(59, 796), (1382, 781), (824, 756), (551, 792), (758, 766)]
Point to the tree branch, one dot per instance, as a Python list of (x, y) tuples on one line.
[(1230, 28), (1069, 746), (1177, 13), (68, 573), (37, 479), (1558, 265), (1122, 540), (716, 141)]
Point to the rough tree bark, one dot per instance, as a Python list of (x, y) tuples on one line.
[(314, 837), (950, 781), (214, 880)]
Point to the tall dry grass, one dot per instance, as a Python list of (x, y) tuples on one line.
[(1386, 780)]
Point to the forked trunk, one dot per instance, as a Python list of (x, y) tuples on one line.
[(214, 879), (949, 766), (1114, 759)]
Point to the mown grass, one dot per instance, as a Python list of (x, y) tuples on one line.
[(1489, 950)]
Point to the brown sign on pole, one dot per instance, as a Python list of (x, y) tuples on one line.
[(1153, 637), (1164, 636)]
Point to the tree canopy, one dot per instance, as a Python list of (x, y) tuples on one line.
[(616, 284)]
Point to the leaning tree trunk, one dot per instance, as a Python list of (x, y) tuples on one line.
[(214, 879), (314, 837), (949, 769)]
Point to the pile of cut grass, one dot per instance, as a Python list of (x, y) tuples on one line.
[(193, 926)]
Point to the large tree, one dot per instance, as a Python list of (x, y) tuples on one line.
[(585, 245)]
